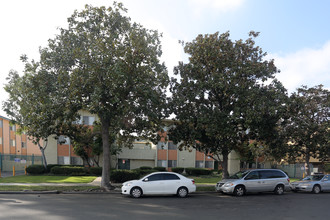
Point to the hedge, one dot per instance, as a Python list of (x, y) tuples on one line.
[(198, 171), (68, 170), (178, 169), (161, 169), (145, 168), (95, 171), (35, 169), (120, 176)]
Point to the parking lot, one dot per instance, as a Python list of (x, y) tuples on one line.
[(200, 206)]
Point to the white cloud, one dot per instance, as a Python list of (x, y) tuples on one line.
[(309, 67), (219, 5)]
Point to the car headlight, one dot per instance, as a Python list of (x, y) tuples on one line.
[(128, 184), (228, 184)]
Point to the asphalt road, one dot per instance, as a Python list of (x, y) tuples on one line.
[(197, 206)]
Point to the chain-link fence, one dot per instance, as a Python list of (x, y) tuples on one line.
[(295, 170), (9, 161)]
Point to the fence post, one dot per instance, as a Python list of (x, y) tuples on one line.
[(13, 170), (0, 172), (25, 169), (32, 159)]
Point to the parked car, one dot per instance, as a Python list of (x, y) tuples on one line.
[(257, 180), (315, 183), (159, 183)]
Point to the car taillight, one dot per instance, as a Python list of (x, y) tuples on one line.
[(288, 179), (193, 181)]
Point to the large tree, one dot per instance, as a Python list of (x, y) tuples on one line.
[(111, 68), (308, 128), (219, 98)]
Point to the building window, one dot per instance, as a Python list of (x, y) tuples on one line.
[(24, 145), (88, 120), (1, 124), (172, 163), (199, 164), (0, 140), (171, 145), (209, 164), (12, 143), (12, 127), (62, 140), (161, 163), (162, 146)]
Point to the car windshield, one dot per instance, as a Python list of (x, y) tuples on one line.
[(239, 175), (314, 177)]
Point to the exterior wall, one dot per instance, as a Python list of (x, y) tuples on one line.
[(186, 158), (6, 148), (51, 151), (134, 164)]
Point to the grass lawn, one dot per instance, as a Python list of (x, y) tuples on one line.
[(207, 180), (48, 188), (48, 179)]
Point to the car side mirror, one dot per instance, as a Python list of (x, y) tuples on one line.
[(145, 180)]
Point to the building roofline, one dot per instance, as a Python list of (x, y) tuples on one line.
[(2, 117)]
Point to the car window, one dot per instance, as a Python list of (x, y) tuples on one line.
[(327, 178), (270, 174), (154, 177), (252, 176), (169, 176)]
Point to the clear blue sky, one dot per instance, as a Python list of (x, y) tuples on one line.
[(296, 33)]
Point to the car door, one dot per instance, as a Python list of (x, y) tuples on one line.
[(153, 184), (252, 182), (325, 183), (171, 183)]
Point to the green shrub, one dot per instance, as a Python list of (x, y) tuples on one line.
[(35, 169), (142, 173), (198, 171), (145, 168), (327, 168), (68, 170), (161, 169), (95, 171), (178, 169), (120, 176), (50, 166)]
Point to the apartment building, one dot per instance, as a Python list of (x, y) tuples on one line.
[(144, 153)]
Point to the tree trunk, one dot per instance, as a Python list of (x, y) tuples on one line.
[(225, 173), (42, 150), (308, 171), (105, 183)]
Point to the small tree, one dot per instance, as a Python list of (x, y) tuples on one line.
[(308, 128)]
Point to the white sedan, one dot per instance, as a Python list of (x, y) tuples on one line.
[(159, 183)]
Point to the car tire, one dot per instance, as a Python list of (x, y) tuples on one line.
[(316, 189), (239, 191), (279, 190), (182, 192), (136, 192)]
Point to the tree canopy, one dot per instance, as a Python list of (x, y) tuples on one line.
[(219, 99), (308, 127), (109, 66)]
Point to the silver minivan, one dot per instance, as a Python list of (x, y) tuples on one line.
[(257, 180)]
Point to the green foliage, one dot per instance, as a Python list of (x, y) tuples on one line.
[(327, 167), (144, 172), (220, 94), (120, 176), (145, 168), (178, 169), (161, 169), (308, 127), (198, 171), (68, 170), (95, 171), (35, 169)]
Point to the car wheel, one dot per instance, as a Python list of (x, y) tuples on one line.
[(136, 192), (182, 192), (316, 189), (239, 191), (279, 190)]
